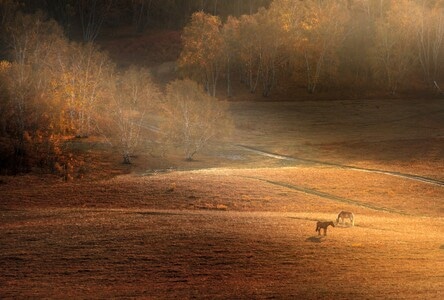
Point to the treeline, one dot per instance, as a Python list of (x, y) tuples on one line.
[(89, 16), (54, 91), (319, 45)]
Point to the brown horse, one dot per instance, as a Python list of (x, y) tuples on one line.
[(323, 225), (346, 215)]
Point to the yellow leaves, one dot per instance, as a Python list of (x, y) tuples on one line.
[(311, 21), (286, 21), (202, 42), (4, 66), (27, 136)]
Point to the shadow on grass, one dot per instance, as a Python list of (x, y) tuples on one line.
[(344, 225), (155, 213), (315, 239)]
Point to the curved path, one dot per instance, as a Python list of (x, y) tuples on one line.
[(390, 173), (329, 196)]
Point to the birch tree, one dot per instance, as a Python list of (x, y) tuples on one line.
[(86, 74), (270, 49), (323, 32), (202, 57), (394, 54), (249, 53), (230, 34), (135, 95), (192, 117), (430, 34), (92, 14)]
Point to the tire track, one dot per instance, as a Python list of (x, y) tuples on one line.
[(329, 196), (317, 162)]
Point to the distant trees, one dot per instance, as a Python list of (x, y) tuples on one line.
[(311, 37), (90, 15), (249, 52), (323, 31), (230, 36), (202, 55), (319, 44), (394, 51), (430, 35)]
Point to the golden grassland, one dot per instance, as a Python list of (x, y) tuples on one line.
[(221, 234), (236, 224)]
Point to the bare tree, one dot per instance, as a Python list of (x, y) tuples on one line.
[(250, 51), (86, 76), (271, 42), (92, 14), (192, 118), (134, 97), (230, 34), (142, 11), (430, 38)]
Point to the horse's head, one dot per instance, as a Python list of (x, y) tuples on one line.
[(332, 223)]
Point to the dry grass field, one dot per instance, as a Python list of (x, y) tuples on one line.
[(238, 224)]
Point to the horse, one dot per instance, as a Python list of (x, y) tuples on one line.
[(346, 215), (323, 225)]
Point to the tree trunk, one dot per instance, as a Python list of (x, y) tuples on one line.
[(229, 93)]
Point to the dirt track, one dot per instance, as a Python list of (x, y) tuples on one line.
[(316, 162)]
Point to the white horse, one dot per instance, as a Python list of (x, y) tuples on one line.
[(346, 215)]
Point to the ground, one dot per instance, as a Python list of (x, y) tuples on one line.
[(239, 221)]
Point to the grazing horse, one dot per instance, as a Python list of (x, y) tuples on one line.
[(346, 215), (323, 225)]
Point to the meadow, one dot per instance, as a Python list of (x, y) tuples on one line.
[(239, 221)]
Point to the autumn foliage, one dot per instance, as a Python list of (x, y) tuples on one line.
[(320, 45), (54, 90)]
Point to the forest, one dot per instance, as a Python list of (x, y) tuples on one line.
[(57, 83)]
